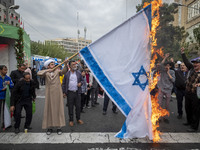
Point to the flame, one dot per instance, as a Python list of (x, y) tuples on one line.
[(157, 111)]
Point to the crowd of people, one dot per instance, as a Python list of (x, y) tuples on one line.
[(182, 78), (81, 89)]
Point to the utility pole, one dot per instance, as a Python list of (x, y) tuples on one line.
[(78, 32)]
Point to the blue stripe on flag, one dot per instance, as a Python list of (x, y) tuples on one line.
[(104, 81), (147, 11), (122, 132)]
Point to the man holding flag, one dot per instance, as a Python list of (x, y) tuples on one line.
[(128, 88)]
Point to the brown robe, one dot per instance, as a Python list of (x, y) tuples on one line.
[(54, 104)]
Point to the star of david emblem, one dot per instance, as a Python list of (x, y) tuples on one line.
[(137, 78)]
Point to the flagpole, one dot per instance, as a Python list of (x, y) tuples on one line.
[(66, 60)]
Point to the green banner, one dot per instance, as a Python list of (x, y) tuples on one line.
[(9, 31)]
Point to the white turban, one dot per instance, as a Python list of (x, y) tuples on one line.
[(46, 63), (179, 62)]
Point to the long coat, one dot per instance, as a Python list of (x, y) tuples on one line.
[(54, 105)]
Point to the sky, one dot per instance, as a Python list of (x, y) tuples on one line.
[(52, 19)]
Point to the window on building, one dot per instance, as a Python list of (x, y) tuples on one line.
[(0, 18), (17, 25), (12, 23), (193, 10), (0, 9), (16, 18)]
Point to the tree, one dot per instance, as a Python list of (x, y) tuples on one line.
[(19, 47), (48, 49), (169, 37)]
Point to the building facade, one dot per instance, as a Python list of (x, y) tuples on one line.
[(71, 45), (188, 15), (8, 15)]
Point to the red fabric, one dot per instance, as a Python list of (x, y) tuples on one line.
[(3, 46), (87, 77)]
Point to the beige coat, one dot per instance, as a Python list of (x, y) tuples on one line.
[(54, 105)]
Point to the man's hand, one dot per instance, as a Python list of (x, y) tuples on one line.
[(12, 108), (4, 89), (182, 50), (8, 82), (64, 95), (66, 62), (168, 68), (79, 84), (166, 55), (50, 70), (197, 85)]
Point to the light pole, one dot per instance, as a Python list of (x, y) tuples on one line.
[(7, 11)]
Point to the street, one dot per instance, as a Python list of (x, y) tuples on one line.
[(97, 132)]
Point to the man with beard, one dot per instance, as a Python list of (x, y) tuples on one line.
[(54, 116), (72, 89)]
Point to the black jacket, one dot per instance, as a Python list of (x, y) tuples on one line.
[(16, 75), (18, 90), (181, 79)]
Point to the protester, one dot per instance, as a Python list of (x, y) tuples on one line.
[(89, 85), (105, 105), (35, 78), (61, 77), (83, 90), (53, 116), (24, 94), (180, 84), (171, 62), (72, 89), (42, 78), (192, 103), (4, 81), (28, 69), (176, 67), (165, 84), (94, 92), (16, 75)]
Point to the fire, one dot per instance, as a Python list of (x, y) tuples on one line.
[(157, 111)]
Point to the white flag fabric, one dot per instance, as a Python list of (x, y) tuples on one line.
[(120, 61), (7, 116)]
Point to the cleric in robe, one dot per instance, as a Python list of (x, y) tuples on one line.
[(54, 116)]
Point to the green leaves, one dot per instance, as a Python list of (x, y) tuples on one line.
[(169, 37), (49, 49)]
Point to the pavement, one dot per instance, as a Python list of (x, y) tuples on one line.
[(97, 132)]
